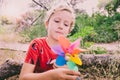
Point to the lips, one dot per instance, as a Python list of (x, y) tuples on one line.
[(58, 32)]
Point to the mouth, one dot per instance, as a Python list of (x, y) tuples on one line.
[(58, 32)]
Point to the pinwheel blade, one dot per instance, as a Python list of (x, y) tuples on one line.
[(76, 59), (64, 42), (76, 68), (58, 50), (75, 44), (60, 61), (72, 66), (76, 51)]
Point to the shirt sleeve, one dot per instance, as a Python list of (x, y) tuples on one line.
[(32, 53)]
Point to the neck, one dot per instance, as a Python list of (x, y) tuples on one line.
[(51, 42)]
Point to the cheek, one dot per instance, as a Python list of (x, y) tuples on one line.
[(67, 30)]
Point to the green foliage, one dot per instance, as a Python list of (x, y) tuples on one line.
[(105, 36), (99, 50), (112, 6), (37, 30), (34, 32), (97, 28), (104, 29), (83, 32), (88, 44)]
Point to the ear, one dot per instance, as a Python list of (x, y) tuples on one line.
[(70, 30), (46, 24)]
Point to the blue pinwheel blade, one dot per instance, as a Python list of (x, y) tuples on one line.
[(60, 61)]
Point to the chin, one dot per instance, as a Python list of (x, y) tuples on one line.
[(57, 36)]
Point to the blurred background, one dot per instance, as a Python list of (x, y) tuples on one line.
[(97, 22)]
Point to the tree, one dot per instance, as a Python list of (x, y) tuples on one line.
[(112, 6)]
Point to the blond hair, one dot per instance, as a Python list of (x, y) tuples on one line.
[(60, 7)]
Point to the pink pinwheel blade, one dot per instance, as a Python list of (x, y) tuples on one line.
[(74, 45)]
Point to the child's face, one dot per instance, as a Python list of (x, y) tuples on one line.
[(59, 24)]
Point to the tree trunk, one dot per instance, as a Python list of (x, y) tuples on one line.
[(99, 59), (10, 67), (102, 65)]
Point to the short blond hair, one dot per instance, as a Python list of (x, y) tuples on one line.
[(60, 7)]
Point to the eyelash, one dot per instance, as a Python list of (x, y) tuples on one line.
[(56, 21), (59, 21), (65, 24)]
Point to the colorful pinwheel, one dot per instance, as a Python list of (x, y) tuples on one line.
[(68, 53)]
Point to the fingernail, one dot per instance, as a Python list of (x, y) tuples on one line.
[(78, 78)]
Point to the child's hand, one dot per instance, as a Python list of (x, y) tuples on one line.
[(64, 74), (56, 66)]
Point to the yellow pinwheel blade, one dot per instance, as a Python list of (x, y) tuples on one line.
[(76, 59)]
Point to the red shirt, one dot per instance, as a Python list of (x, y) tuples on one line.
[(40, 54)]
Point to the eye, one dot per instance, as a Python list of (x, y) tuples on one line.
[(57, 20), (66, 24)]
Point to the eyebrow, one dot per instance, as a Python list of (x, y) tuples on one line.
[(57, 18), (60, 19)]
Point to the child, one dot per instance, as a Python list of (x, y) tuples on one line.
[(38, 63)]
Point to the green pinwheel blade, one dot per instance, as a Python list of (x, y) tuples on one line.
[(72, 66), (75, 68)]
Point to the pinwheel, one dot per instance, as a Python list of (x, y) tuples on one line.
[(68, 53)]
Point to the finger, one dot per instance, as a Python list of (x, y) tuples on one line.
[(65, 66), (71, 77), (78, 78), (56, 66), (71, 72), (53, 61)]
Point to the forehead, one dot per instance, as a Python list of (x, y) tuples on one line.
[(66, 15)]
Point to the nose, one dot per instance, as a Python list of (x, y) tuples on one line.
[(60, 26)]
